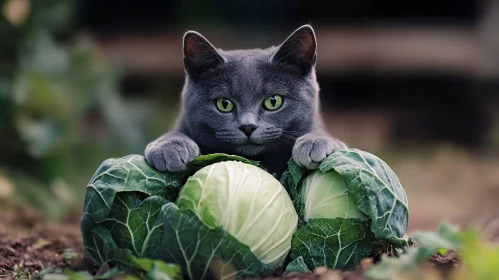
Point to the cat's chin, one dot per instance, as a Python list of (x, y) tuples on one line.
[(250, 149)]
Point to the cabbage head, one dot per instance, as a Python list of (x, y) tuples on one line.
[(224, 217), (247, 202), (352, 207)]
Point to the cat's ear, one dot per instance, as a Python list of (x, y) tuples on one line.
[(199, 54), (299, 49)]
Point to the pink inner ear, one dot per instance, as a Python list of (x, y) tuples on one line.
[(307, 43), (308, 40), (192, 44)]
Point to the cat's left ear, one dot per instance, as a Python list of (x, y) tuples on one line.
[(299, 49), (199, 54)]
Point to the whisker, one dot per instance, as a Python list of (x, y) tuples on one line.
[(288, 137), (286, 141), (294, 133), (277, 142)]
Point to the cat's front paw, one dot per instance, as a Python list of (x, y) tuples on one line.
[(311, 149), (171, 153)]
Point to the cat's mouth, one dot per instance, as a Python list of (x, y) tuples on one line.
[(250, 148), (247, 147)]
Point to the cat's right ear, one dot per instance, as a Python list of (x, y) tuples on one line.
[(299, 49), (199, 54)]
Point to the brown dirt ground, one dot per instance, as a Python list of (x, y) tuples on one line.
[(30, 243)]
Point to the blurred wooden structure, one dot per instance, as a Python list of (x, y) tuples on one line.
[(454, 50)]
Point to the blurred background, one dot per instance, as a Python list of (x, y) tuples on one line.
[(415, 82)]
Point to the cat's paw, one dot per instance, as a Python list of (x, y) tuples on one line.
[(311, 149), (171, 153)]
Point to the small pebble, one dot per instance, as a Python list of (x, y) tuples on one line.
[(366, 263), (320, 270), (331, 275)]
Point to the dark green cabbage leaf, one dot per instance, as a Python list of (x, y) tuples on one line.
[(337, 243)]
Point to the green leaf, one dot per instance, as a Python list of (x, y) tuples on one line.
[(116, 199), (392, 268), (72, 275), (479, 257), (110, 252), (300, 210), (445, 238), (291, 178), (53, 273), (376, 191), (133, 224), (127, 174), (205, 160), (442, 251), (298, 265), (156, 269), (110, 274), (203, 252), (100, 246), (337, 243), (428, 243), (162, 271)]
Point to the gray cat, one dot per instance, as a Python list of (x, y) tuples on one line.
[(259, 104)]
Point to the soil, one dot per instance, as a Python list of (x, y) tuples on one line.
[(28, 245)]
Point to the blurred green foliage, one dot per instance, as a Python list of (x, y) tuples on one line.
[(477, 256), (60, 108)]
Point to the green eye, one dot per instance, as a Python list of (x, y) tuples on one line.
[(273, 102), (225, 105)]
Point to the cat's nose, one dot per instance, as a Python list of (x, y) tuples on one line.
[(247, 129)]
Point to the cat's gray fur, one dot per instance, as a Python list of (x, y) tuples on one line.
[(247, 77)]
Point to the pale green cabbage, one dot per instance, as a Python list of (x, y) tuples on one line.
[(326, 196), (249, 203)]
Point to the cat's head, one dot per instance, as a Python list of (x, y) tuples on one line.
[(248, 102)]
